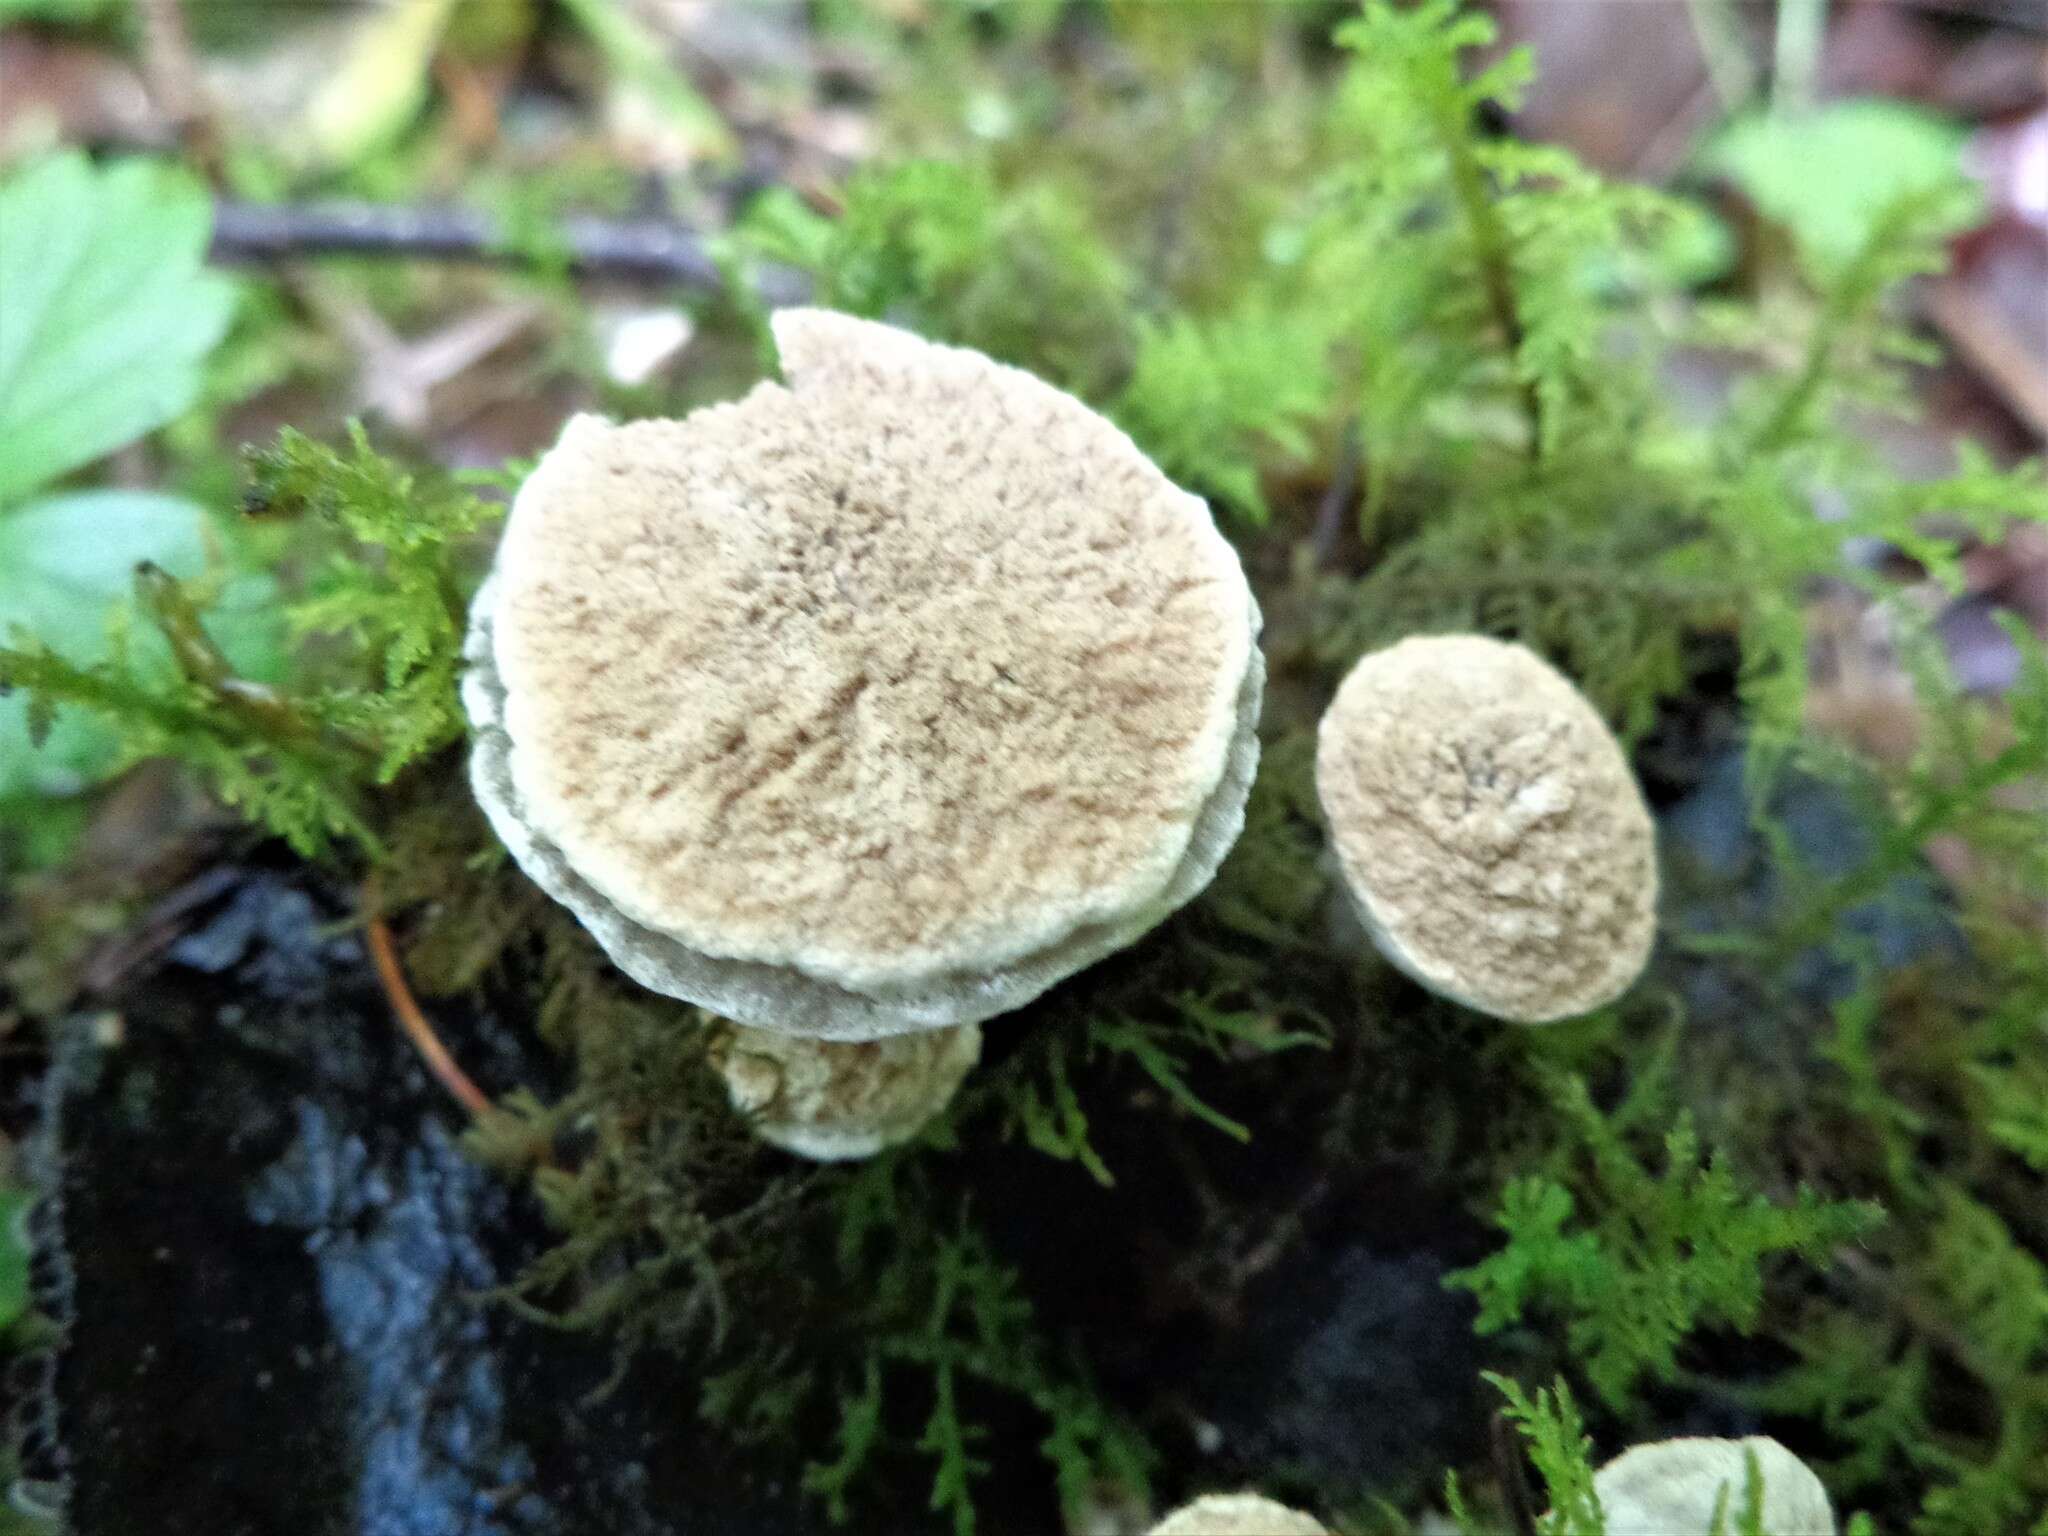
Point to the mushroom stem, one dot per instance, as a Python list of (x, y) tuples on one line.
[(1237, 1514), (443, 1066)]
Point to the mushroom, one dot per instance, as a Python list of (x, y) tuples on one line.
[(1673, 1487), (876, 702), (1488, 827), (1237, 1514), (837, 1100)]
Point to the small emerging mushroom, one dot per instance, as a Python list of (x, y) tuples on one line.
[(1673, 1487), (1489, 828), (1237, 1514), (835, 1100), (876, 702)]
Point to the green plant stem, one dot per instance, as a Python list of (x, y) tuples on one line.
[(1496, 264), (1855, 289), (60, 682), (268, 715), (262, 708), (1795, 55), (1780, 426), (1729, 67)]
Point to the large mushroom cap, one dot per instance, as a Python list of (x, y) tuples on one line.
[(834, 1100), (1672, 1488), (1237, 1514), (877, 702), (1489, 827)]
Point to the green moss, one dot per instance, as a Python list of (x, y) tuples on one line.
[(1664, 1253), (376, 577), (657, 1186)]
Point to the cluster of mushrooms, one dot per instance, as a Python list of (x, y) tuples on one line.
[(1671, 1488), (871, 705)]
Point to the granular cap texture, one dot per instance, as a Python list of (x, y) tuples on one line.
[(1673, 1487), (876, 702), (1237, 1514), (834, 1100), (1489, 827)]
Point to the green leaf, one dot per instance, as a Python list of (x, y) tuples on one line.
[(64, 562), (108, 312), (64, 559), (1828, 175)]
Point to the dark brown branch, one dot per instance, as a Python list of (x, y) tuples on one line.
[(642, 250)]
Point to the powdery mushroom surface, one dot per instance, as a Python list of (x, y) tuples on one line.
[(1673, 1487), (1237, 1514), (878, 702), (833, 1100), (1489, 826)]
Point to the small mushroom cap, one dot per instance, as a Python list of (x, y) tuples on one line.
[(1671, 1488), (877, 702), (1237, 1514), (1489, 828), (837, 1100)]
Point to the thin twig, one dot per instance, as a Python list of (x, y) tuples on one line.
[(1667, 150), (1994, 345), (1288, 1227), (1795, 54), (643, 250), (443, 1066), (1718, 30), (1511, 1467), (2021, 15), (1333, 513)]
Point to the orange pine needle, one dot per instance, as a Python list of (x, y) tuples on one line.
[(446, 1072)]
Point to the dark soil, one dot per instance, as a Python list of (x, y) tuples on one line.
[(276, 1253)]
